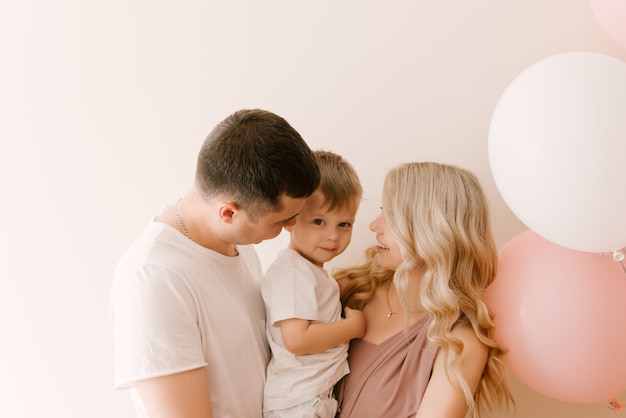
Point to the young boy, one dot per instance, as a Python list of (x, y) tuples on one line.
[(307, 335)]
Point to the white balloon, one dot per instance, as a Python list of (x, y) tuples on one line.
[(557, 150)]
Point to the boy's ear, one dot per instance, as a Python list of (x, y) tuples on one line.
[(288, 228), (228, 210)]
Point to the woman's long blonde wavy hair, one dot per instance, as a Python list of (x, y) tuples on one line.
[(438, 215)]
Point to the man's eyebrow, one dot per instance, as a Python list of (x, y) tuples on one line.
[(288, 219)]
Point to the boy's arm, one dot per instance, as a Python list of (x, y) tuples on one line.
[(179, 395), (303, 337)]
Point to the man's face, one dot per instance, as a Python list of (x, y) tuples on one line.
[(271, 224)]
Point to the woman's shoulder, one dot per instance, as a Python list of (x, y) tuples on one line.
[(472, 346)]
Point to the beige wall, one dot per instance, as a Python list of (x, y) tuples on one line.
[(103, 105)]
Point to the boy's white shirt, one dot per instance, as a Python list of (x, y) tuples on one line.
[(293, 287)]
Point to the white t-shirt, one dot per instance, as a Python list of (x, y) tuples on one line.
[(293, 287), (177, 306)]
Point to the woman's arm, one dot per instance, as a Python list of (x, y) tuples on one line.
[(442, 398)]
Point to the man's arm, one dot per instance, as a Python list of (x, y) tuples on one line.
[(179, 395)]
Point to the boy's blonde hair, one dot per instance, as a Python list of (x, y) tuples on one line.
[(339, 182)]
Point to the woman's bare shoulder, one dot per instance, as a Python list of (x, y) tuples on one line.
[(472, 345)]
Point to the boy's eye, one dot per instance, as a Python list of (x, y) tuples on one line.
[(318, 222), (345, 225)]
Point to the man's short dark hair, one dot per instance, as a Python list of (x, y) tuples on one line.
[(254, 157)]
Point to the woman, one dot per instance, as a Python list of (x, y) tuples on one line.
[(428, 349)]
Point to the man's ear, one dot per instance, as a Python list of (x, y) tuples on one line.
[(228, 210)]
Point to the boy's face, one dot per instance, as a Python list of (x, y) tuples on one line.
[(320, 235)]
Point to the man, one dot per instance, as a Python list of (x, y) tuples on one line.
[(187, 311)]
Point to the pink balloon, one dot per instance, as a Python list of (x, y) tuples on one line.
[(611, 14), (562, 315)]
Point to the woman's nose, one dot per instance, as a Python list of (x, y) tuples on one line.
[(375, 222)]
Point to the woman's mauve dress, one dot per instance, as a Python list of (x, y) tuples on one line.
[(387, 380)]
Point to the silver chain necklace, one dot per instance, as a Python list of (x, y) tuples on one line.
[(180, 220), (182, 225)]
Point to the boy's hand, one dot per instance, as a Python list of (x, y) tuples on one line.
[(357, 318)]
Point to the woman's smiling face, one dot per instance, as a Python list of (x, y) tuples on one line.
[(389, 255)]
